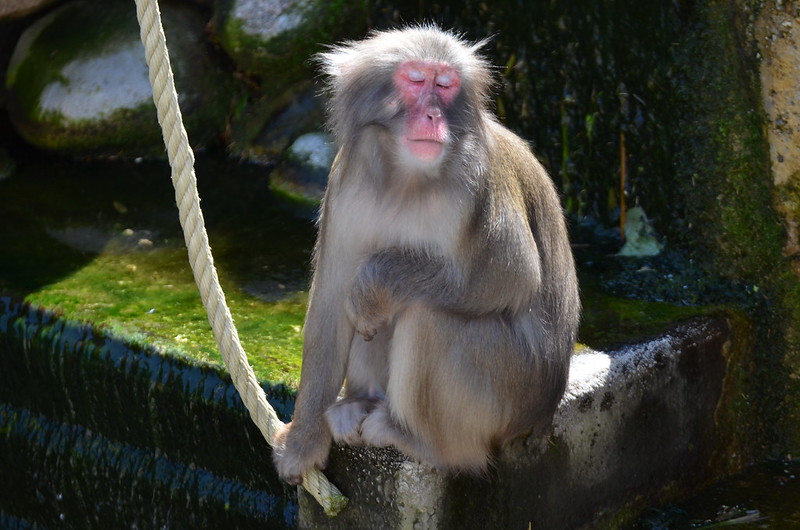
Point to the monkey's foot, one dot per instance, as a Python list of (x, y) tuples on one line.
[(295, 452), (378, 429), (344, 418)]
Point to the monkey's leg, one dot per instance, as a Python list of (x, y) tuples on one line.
[(305, 442), (379, 429), (367, 377), (457, 388)]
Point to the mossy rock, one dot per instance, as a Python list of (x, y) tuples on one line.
[(78, 82), (301, 179), (262, 129), (273, 39)]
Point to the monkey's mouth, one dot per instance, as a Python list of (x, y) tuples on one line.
[(425, 150)]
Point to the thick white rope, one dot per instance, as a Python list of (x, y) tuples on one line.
[(181, 160)]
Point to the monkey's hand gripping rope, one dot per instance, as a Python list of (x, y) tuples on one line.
[(181, 160)]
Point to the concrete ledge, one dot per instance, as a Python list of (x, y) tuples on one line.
[(637, 427)]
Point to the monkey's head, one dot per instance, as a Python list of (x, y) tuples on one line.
[(421, 90)]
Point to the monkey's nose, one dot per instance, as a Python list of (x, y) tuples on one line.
[(434, 113)]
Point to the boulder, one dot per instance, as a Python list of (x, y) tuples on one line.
[(273, 39), (301, 179), (262, 130), (78, 82)]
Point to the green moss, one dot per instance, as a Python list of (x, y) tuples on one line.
[(737, 417), (306, 207), (68, 252), (609, 320), (133, 130), (724, 152), (788, 372), (158, 304), (152, 296)]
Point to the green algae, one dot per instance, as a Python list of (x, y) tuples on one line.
[(609, 320), (153, 297)]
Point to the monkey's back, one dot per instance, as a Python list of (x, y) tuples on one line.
[(549, 228), (555, 307)]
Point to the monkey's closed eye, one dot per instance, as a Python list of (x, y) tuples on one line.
[(444, 81), (416, 76)]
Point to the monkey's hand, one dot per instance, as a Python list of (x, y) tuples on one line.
[(368, 310), (295, 452)]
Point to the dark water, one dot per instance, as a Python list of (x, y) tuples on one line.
[(766, 496)]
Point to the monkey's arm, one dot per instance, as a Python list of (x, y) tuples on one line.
[(305, 442), (327, 334), (486, 281), (394, 276)]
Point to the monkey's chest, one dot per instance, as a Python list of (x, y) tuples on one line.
[(426, 222)]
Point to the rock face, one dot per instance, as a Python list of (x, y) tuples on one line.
[(78, 82), (778, 36)]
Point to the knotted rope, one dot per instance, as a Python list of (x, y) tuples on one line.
[(181, 160)]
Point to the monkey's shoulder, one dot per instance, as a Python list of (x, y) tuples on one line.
[(509, 146), (514, 166)]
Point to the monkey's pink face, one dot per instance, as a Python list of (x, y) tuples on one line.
[(426, 90)]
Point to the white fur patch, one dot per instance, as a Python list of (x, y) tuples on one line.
[(429, 221)]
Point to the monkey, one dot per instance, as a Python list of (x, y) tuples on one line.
[(444, 297)]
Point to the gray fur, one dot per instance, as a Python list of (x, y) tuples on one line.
[(447, 297)]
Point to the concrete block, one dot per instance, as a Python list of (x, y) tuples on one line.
[(637, 425)]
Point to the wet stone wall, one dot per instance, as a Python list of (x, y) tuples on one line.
[(98, 433)]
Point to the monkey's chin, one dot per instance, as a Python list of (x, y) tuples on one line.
[(427, 151)]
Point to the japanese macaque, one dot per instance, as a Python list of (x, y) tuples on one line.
[(444, 294)]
